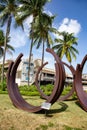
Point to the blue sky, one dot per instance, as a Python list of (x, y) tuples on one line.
[(71, 16)]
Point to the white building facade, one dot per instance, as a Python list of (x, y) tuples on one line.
[(22, 72)]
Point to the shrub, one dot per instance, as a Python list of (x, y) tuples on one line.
[(66, 90), (3, 86), (32, 90), (29, 90)]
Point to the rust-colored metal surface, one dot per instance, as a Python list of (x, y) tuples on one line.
[(82, 96), (37, 84), (15, 95), (13, 91), (71, 68), (60, 78)]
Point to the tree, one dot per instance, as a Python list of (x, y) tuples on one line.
[(42, 32), (66, 45), (9, 48), (7, 11), (27, 8), (1, 43)]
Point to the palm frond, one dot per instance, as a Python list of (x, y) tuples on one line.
[(49, 40), (39, 43), (75, 50), (9, 47), (59, 40), (56, 47), (68, 56), (59, 52)]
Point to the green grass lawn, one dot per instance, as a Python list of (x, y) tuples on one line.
[(66, 115)]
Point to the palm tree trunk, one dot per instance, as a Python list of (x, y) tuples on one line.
[(42, 62), (5, 45), (29, 61), (42, 54)]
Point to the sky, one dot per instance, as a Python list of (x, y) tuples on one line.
[(71, 16)]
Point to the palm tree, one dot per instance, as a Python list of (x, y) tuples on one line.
[(7, 11), (42, 32), (9, 48), (27, 8), (66, 45), (1, 43)]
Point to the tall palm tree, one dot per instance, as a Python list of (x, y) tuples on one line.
[(42, 33), (27, 8), (9, 48), (7, 11), (66, 45), (1, 42)]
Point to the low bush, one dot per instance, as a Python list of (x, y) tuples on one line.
[(3, 86), (32, 90), (29, 90), (66, 90)]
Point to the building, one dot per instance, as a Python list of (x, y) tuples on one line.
[(22, 72), (48, 74)]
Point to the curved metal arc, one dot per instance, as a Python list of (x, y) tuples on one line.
[(56, 83), (14, 94), (57, 59), (62, 70), (8, 81), (59, 82), (83, 62), (71, 68), (36, 81), (82, 96)]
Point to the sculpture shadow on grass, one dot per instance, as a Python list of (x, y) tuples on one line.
[(54, 111), (49, 113), (78, 104), (64, 106)]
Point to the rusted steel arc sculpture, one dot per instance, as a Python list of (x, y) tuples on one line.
[(36, 81), (83, 62), (60, 98), (15, 95), (60, 78), (12, 86), (71, 68), (82, 96)]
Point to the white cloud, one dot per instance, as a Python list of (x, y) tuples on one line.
[(65, 21), (70, 26), (27, 24), (18, 38)]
